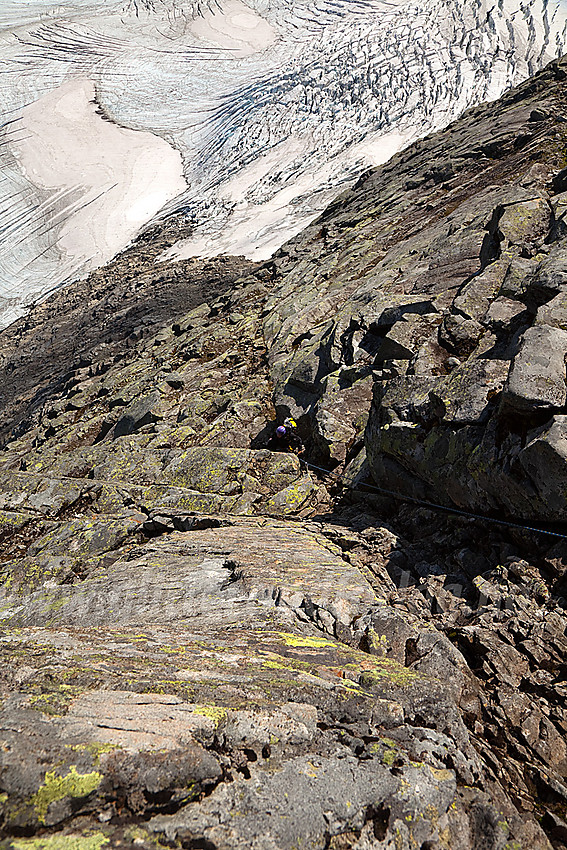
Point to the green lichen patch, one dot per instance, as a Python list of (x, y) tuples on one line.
[(378, 644), (386, 750), (12, 522), (216, 713), (95, 749), (55, 788), (74, 841), (55, 702), (301, 641), (277, 665), (166, 686), (442, 774), (290, 498), (137, 835), (387, 670)]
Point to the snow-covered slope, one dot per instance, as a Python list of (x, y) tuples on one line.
[(248, 116)]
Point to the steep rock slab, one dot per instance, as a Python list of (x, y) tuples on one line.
[(102, 317), (537, 375), (261, 672), (203, 645), (237, 572), (427, 278)]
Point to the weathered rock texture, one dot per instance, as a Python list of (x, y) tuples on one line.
[(203, 645), (437, 286)]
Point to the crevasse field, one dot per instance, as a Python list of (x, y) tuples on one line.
[(247, 116)]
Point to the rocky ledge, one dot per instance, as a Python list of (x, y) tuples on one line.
[(208, 645)]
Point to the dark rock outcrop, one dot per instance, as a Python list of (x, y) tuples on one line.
[(448, 295)]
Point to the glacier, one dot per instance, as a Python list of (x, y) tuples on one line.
[(245, 117)]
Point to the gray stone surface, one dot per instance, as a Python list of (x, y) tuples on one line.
[(537, 374), (308, 799), (464, 397)]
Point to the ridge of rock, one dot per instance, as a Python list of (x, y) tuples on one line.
[(204, 645)]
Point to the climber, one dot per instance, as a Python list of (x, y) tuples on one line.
[(286, 439)]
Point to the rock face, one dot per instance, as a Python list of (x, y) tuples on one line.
[(205, 645), (444, 299)]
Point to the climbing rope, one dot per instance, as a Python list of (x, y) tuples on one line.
[(436, 507)]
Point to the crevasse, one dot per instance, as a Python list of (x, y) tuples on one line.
[(246, 116)]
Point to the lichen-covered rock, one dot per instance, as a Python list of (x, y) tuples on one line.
[(142, 411), (554, 313), (70, 550), (311, 799), (525, 221), (506, 314), (406, 336), (228, 471), (476, 296), (537, 374), (204, 642), (550, 276), (464, 397), (544, 460), (342, 412)]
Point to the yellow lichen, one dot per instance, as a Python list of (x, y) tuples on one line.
[(62, 842), (96, 749), (55, 788), (390, 670), (216, 713), (297, 640), (441, 775)]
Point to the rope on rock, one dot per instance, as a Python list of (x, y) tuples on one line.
[(435, 507)]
